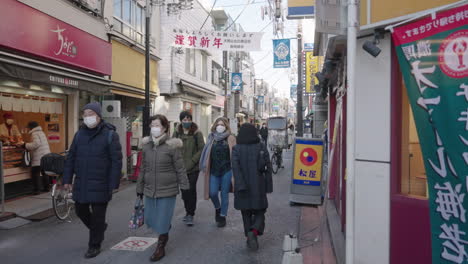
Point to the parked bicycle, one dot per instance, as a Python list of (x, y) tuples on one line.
[(277, 159), (53, 165), (277, 140)]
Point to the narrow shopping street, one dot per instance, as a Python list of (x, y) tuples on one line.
[(52, 241)]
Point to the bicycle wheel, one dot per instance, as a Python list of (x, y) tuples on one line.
[(274, 163), (60, 201)]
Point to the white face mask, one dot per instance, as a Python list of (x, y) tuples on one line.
[(220, 129), (9, 122), (90, 121), (156, 132)]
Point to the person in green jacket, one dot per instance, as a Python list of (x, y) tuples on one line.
[(193, 142)]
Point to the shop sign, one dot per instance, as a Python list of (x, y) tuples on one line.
[(301, 9), (433, 56), (312, 67), (37, 33), (63, 81), (307, 162), (281, 53), (216, 40)]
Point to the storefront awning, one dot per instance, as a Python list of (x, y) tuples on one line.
[(197, 90), (39, 73), (125, 90)]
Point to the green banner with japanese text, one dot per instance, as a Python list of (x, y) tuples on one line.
[(433, 57)]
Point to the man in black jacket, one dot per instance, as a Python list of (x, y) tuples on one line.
[(264, 133), (95, 158)]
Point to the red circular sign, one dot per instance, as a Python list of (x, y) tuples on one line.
[(453, 54), (308, 157)]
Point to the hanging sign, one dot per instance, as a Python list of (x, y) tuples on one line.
[(433, 56), (281, 53), (312, 67), (236, 82), (293, 91), (215, 40), (260, 99)]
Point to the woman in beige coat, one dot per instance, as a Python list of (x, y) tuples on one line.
[(38, 148), (215, 164)]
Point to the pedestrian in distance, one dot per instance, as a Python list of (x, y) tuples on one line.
[(193, 142), (162, 174), (95, 158), (38, 147), (215, 164), (253, 180), (264, 133)]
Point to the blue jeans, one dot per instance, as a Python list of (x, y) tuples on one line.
[(223, 183)]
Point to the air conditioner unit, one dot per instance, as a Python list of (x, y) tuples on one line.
[(111, 108)]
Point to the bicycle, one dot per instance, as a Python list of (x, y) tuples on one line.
[(277, 159), (61, 197)]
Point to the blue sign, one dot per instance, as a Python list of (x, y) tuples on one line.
[(260, 99), (281, 53), (308, 46), (236, 82), (293, 91)]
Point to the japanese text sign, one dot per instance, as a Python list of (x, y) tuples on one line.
[(308, 162), (216, 40), (433, 56), (312, 67), (236, 82), (281, 53)]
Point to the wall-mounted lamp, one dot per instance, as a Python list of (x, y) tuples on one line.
[(371, 46)]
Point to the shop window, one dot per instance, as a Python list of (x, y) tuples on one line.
[(216, 74), (413, 173), (190, 61), (129, 19)]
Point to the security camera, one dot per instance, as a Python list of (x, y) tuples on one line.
[(371, 48)]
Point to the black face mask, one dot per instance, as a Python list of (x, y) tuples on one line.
[(187, 125)]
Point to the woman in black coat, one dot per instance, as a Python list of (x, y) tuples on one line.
[(252, 181)]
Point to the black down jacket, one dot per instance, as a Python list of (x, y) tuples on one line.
[(250, 184), (95, 157)]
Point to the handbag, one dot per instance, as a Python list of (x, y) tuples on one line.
[(26, 162), (138, 216)]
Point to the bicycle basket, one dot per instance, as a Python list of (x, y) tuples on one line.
[(53, 162)]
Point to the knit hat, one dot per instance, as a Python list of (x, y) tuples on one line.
[(95, 106), (247, 134), (185, 114)]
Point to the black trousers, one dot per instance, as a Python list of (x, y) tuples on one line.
[(40, 183), (93, 217), (190, 196), (253, 219)]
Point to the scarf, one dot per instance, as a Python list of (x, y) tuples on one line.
[(213, 136), (158, 139)]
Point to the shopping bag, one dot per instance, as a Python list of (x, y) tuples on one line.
[(138, 216)]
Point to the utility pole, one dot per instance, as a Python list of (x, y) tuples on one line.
[(226, 78), (146, 108), (300, 117)]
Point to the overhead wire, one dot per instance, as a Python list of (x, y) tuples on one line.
[(209, 14), (245, 7)]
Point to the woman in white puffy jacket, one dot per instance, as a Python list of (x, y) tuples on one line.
[(38, 148)]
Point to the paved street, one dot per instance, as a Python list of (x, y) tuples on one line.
[(52, 241)]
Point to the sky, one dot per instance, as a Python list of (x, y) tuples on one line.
[(251, 21)]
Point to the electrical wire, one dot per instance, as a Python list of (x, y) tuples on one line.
[(245, 7), (209, 14), (262, 58)]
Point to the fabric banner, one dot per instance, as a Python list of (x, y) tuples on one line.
[(433, 56), (215, 40), (236, 82), (293, 91), (260, 99), (281, 53), (312, 67)]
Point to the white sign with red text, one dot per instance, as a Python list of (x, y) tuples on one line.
[(215, 40)]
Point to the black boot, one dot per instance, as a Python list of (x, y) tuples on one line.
[(218, 215), (92, 252), (222, 221), (160, 251)]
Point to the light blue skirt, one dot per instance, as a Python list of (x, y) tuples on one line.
[(159, 212)]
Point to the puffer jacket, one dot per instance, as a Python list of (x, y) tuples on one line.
[(38, 147), (193, 146), (163, 170), (96, 162)]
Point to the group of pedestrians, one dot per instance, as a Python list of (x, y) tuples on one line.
[(226, 163)]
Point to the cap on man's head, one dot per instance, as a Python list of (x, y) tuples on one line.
[(185, 114), (95, 106), (8, 115)]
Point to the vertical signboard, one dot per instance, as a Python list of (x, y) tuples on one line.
[(281, 53), (293, 91), (312, 67), (433, 56), (236, 82)]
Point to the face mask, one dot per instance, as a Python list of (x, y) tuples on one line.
[(90, 121), (9, 121), (156, 132), (220, 129), (186, 125)]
